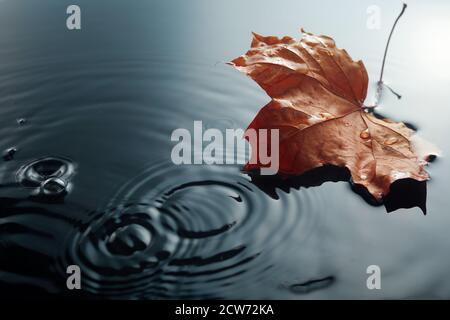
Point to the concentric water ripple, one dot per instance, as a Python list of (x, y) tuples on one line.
[(185, 232), (171, 231), (48, 177)]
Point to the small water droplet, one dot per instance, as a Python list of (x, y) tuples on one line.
[(325, 115), (53, 186), (21, 121), (38, 171), (9, 153), (431, 158), (365, 134), (347, 124), (390, 141)]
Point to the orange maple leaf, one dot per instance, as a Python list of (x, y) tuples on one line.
[(317, 93)]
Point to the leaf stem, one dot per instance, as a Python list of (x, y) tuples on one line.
[(389, 40), (380, 82)]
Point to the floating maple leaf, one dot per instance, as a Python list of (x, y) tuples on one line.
[(317, 93)]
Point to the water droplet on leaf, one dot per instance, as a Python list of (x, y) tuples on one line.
[(365, 134), (325, 115), (390, 141)]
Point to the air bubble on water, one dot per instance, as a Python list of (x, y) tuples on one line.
[(53, 186), (49, 177), (21, 121), (38, 171), (9, 153)]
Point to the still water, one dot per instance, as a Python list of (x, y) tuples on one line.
[(98, 106)]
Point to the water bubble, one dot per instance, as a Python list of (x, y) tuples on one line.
[(21, 121), (390, 141), (53, 187), (49, 177), (365, 134), (38, 171), (325, 115), (9, 153), (430, 158)]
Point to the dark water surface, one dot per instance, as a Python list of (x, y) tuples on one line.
[(99, 106)]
